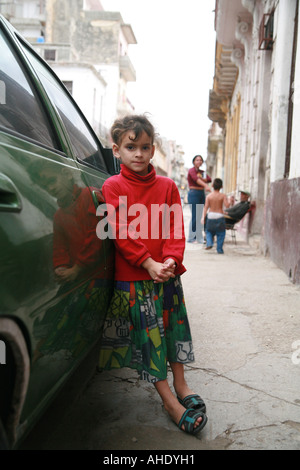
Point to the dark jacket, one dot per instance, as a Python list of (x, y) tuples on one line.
[(238, 211)]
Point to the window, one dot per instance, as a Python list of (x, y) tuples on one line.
[(20, 108), (69, 86), (84, 145), (50, 54), (266, 32)]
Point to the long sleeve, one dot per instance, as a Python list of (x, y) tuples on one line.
[(134, 250), (145, 219)]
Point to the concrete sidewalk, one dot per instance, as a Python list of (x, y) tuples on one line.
[(245, 320)]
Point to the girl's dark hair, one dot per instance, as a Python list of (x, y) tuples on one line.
[(135, 123)]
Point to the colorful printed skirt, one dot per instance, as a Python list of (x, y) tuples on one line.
[(146, 326)]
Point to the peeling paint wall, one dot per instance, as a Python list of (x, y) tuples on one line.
[(282, 226), (93, 34)]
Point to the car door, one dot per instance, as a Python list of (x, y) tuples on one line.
[(55, 274)]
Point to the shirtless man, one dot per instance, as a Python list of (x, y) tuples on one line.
[(215, 223)]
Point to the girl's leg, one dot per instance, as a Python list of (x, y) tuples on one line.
[(170, 402), (180, 385)]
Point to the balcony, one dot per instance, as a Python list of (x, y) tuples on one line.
[(217, 108)]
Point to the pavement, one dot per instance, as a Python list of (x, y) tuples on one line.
[(245, 320)]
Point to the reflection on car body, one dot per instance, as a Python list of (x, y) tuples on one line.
[(56, 275), (77, 259)]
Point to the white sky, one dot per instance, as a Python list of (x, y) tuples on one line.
[(174, 62)]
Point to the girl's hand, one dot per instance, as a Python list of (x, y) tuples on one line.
[(65, 274), (159, 272), (169, 265)]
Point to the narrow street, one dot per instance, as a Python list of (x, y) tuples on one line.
[(245, 319), (68, 71)]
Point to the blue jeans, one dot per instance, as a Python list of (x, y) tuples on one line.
[(215, 227), (196, 200)]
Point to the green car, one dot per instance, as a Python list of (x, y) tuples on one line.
[(56, 275)]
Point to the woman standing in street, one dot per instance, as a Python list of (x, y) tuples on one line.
[(197, 181)]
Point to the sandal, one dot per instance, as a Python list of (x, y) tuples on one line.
[(189, 418), (193, 402)]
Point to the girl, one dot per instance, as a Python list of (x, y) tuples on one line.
[(147, 322)]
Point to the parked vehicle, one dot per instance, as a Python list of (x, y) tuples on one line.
[(56, 275)]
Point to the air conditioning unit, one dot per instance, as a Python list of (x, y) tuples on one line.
[(266, 32)]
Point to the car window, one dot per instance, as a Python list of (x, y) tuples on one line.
[(84, 145), (20, 108)]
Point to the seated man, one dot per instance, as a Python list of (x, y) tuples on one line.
[(235, 213)]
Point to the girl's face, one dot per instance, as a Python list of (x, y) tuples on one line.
[(198, 162), (135, 154)]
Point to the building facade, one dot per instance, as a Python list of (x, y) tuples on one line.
[(255, 108), (87, 47)]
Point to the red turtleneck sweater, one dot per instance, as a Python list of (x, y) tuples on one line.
[(137, 211)]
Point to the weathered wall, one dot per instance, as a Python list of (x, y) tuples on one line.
[(93, 34), (282, 226)]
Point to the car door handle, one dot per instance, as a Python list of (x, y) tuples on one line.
[(10, 200), (97, 197)]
